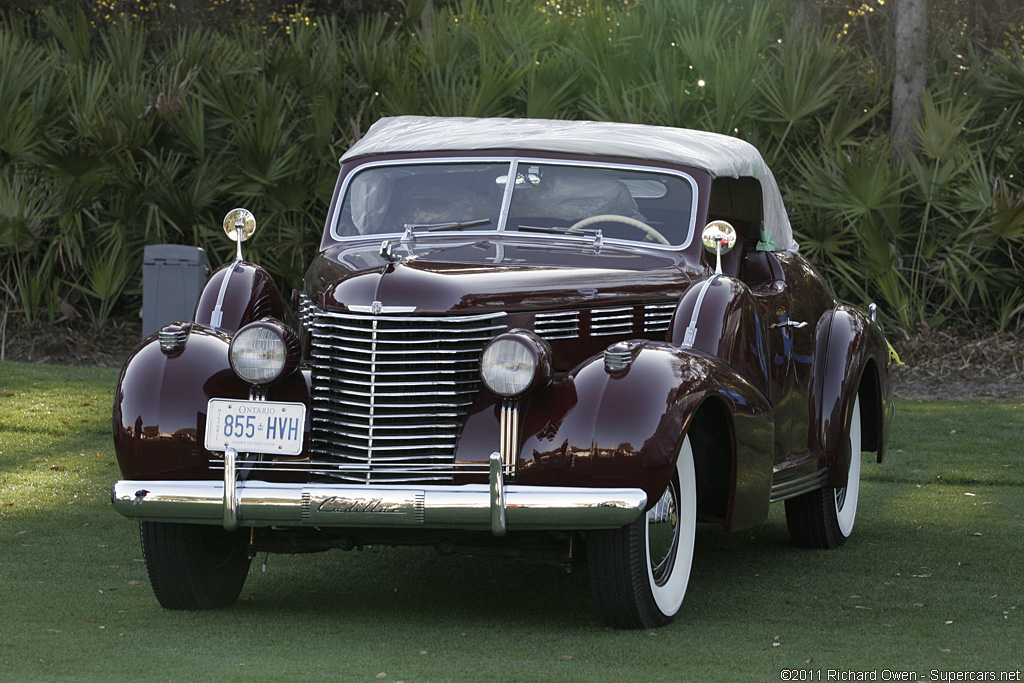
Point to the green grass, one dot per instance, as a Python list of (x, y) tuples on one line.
[(930, 579)]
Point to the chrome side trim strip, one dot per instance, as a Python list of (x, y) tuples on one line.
[(791, 488)]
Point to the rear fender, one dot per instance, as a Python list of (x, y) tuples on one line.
[(623, 429), (851, 359)]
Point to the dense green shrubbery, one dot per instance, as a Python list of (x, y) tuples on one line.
[(109, 142)]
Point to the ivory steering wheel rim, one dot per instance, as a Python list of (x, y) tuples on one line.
[(613, 218)]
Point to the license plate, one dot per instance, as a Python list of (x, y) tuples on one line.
[(255, 426)]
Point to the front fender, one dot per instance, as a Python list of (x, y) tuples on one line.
[(624, 429), (851, 359), (159, 418), (237, 294)]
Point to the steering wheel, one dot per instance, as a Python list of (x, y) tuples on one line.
[(612, 218)]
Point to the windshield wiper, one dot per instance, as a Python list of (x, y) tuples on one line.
[(592, 233), (409, 236), (452, 225)]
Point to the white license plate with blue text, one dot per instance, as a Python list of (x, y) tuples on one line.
[(255, 426)]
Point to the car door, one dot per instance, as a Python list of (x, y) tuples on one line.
[(789, 317)]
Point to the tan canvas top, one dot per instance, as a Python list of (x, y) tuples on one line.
[(719, 155)]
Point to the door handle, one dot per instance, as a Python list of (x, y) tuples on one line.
[(789, 323)]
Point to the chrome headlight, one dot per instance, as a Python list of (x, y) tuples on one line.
[(264, 352), (516, 363)]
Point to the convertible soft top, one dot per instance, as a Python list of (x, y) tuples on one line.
[(719, 155)]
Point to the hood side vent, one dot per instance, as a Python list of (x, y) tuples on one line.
[(645, 320), (657, 317), (557, 325), (609, 322)]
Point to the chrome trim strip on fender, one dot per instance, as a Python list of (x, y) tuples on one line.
[(691, 331), (217, 315), (354, 505)]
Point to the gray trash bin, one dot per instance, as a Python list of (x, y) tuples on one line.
[(172, 278)]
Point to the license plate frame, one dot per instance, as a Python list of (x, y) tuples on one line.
[(254, 426)]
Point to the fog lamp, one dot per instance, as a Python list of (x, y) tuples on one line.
[(516, 363), (264, 352)]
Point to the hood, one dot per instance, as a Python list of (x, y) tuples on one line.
[(487, 275)]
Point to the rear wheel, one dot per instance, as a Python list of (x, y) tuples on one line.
[(824, 518), (639, 573), (194, 566)]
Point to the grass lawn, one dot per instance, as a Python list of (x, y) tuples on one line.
[(930, 581)]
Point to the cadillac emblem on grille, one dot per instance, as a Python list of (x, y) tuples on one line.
[(390, 393)]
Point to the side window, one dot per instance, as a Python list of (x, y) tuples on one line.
[(738, 201)]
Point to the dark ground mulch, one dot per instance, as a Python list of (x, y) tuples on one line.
[(71, 342), (946, 365), (937, 364)]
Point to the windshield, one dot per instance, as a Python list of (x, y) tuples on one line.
[(610, 201)]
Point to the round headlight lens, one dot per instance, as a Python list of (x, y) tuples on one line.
[(262, 352), (515, 363)]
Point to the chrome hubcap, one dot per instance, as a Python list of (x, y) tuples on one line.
[(662, 534)]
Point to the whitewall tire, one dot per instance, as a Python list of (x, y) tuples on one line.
[(825, 518), (639, 573)]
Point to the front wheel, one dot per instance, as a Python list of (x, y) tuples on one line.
[(639, 573), (194, 566), (824, 518)]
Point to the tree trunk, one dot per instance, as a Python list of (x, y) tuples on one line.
[(805, 16), (910, 74)]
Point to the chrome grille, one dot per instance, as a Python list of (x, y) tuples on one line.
[(390, 393)]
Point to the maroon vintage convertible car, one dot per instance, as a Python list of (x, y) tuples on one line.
[(541, 338)]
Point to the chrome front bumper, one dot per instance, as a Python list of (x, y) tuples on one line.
[(494, 506)]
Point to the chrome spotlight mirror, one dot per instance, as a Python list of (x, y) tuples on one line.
[(239, 220), (239, 225), (719, 237)]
